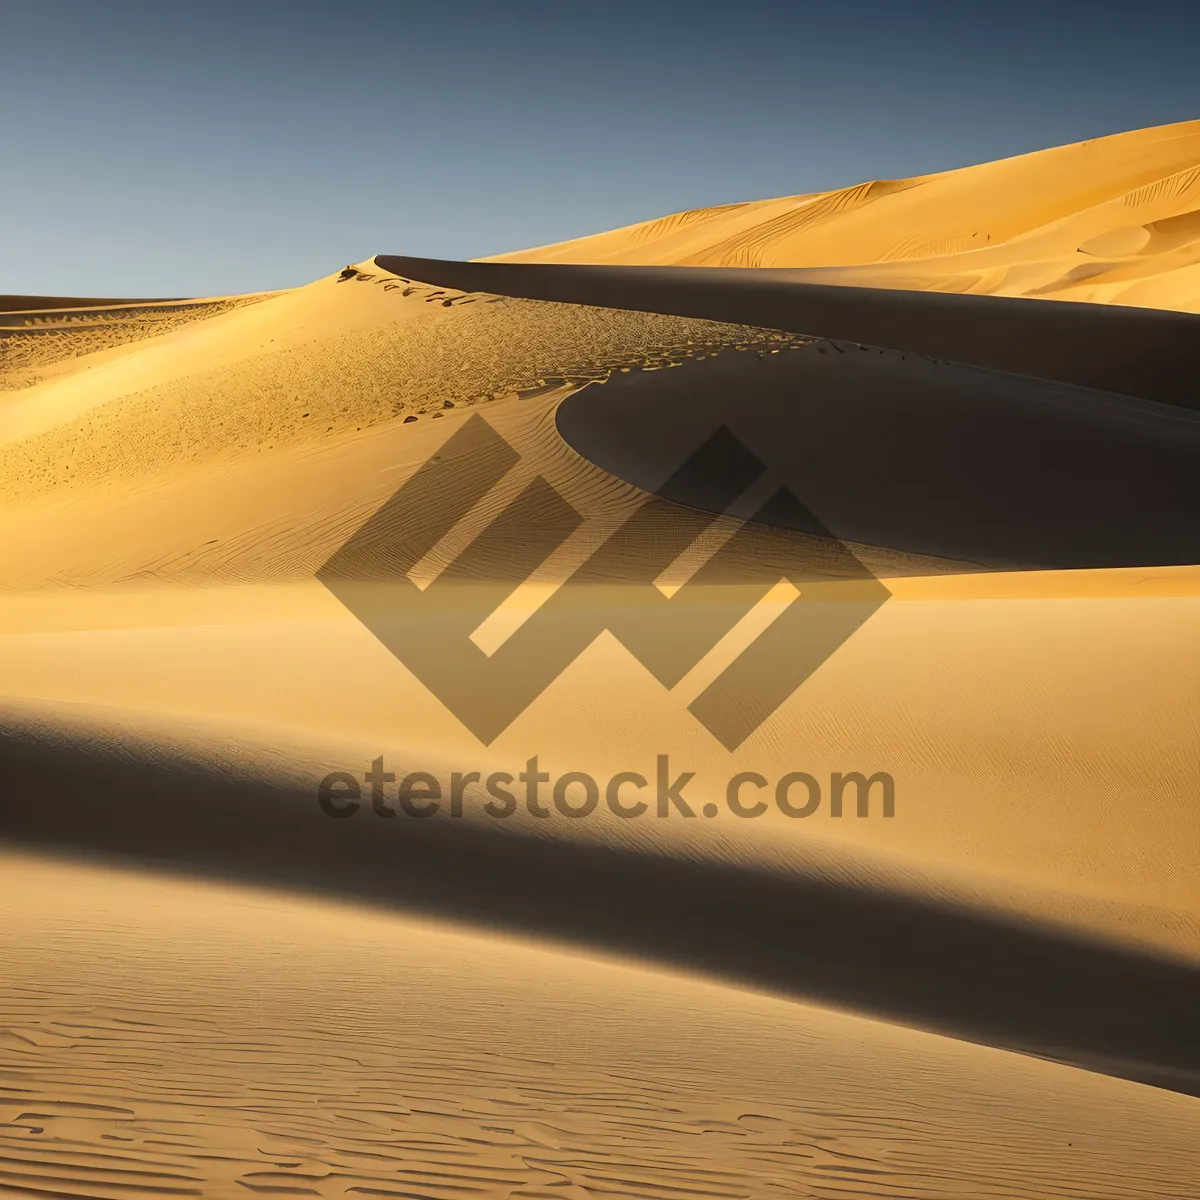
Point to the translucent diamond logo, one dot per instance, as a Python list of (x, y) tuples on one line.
[(669, 632)]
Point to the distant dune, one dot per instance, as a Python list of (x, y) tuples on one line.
[(1001, 492), (1113, 220), (12, 304)]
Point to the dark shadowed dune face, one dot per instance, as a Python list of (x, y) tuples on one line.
[(1014, 459), (1147, 353), (533, 729), (1034, 988), (893, 450)]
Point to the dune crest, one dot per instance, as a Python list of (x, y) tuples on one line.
[(182, 669), (1109, 220)]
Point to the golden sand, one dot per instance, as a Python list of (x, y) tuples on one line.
[(171, 478)]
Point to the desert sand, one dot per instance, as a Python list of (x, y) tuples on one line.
[(1112, 221), (852, 1005), (226, 1041)]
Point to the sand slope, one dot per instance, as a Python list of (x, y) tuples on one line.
[(176, 681), (41, 336), (1111, 220), (1151, 354), (392, 1057), (170, 578)]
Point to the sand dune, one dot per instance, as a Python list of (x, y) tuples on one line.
[(54, 304), (1130, 351), (937, 456), (395, 1057), (40, 336), (190, 576), (176, 680), (237, 801), (1114, 220), (943, 449)]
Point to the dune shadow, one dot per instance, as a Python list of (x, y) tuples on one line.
[(891, 450), (1060, 436), (1014, 984), (1152, 354)]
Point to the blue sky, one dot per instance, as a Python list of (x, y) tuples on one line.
[(203, 148)]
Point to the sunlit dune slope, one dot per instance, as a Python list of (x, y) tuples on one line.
[(87, 403), (227, 1042), (41, 335), (156, 496), (173, 476), (15, 304), (1111, 220)]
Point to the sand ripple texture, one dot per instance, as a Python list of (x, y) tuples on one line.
[(225, 1043)]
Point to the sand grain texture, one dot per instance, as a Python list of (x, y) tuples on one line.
[(1112, 220), (278, 1047), (651, 1008)]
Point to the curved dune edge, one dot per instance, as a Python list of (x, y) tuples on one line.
[(1144, 353), (178, 682), (47, 304), (240, 804), (270, 1042), (266, 522), (44, 337), (1111, 220), (172, 670), (889, 450)]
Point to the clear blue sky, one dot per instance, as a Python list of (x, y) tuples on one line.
[(188, 147)]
